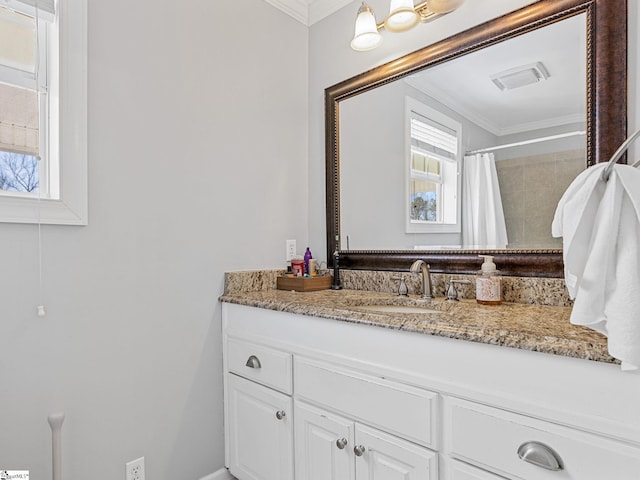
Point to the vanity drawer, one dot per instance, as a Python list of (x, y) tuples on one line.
[(463, 471), (400, 409), (261, 364), (491, 438)]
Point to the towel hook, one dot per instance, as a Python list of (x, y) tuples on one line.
[(616, 156)]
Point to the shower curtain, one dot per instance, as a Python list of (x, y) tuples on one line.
[(483, 224)]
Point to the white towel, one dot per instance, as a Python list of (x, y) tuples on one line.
[(600, 225)]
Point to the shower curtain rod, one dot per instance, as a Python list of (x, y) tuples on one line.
[(527, 142)]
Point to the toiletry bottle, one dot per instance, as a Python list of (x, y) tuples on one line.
[(307, 257), (488, 283), (313, 267)]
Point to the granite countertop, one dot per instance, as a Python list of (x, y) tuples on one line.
[(530, 327)]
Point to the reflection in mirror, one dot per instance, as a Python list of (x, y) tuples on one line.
[(384, 247), (473, 153)]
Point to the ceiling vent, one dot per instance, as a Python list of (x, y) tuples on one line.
[(520, 76)]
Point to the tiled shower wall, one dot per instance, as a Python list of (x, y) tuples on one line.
[(531, 188)]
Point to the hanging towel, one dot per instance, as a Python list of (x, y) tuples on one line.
[(600, 225)]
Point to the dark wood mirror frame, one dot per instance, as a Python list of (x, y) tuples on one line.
[(606, 123)]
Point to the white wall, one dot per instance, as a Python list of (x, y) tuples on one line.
[(179, 193), (332, 60)]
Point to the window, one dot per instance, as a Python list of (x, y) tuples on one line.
[(433, 151), (43, 111)]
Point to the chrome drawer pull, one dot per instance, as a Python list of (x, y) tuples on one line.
[(341, 443), (280, 414), (540, 455), (253, 362), (359, 450)]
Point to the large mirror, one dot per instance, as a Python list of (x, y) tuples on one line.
[(524, 102)]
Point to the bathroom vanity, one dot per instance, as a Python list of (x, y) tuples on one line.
[(323, 385)]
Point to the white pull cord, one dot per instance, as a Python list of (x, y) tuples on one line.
[(55, 422), (40, 309)]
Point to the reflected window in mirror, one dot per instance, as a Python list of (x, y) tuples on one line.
[(433, 153)]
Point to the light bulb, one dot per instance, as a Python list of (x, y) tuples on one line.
[(443, 6), (402, 16), (366, 36)]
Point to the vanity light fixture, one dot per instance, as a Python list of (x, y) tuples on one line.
[(403, 16)]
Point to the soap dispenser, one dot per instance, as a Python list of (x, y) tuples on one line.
[(488, 283)]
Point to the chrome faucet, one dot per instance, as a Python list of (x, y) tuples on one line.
[(419, 266)]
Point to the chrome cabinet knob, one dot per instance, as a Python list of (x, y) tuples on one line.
[(359, 450), (541, 455), (280, 414), (253, 362), (341, 443)]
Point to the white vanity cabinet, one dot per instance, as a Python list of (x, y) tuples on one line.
[(517, 446), (259, 412), (367, 403), (324, 443), (355, 430), (331, 447), (260, 431)]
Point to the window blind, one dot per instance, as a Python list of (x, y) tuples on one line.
[(433, 137), (46, 8), (19, 119)]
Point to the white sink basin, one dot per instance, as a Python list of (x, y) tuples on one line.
[(397, 309)]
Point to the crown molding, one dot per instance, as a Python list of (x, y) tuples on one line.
[(319, 9), (308, 12)]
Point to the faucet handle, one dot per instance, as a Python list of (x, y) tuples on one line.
[(403, 291), (452, 293)]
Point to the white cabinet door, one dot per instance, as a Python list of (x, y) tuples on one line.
[(260, 431), (385, 457), (324, 445)]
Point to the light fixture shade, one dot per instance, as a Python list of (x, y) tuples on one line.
[(443, 6), (366, 35), (402, 16)]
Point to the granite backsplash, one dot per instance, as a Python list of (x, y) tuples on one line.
[(525, 290)]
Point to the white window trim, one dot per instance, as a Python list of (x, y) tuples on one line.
[(72, 206), (411, 104)]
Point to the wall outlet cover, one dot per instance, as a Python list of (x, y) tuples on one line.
[(291, 249), (135, 469)]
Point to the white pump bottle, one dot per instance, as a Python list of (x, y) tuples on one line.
[(488, 283)]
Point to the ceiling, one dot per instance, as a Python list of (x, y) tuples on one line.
[(465, 86)]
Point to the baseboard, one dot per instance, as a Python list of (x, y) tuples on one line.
[(222, 474)]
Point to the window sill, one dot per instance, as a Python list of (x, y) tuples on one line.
[(45, 211)]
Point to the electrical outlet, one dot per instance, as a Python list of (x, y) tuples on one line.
[(291, 249), (135, 469)]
